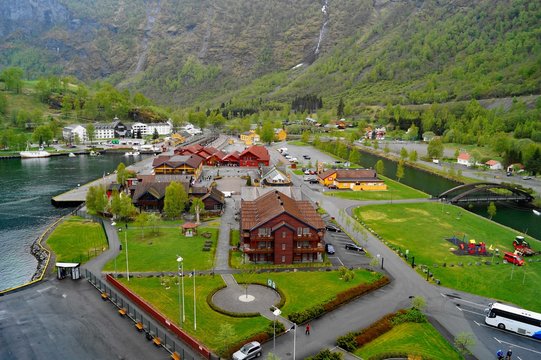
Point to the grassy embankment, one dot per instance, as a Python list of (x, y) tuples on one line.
[(77, 240), (422, 229)]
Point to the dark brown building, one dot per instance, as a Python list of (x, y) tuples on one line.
[(277, 229)]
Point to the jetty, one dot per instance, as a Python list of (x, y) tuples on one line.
[(77, 196)]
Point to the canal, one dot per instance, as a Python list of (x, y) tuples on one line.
[(25, 205), (511, 215)]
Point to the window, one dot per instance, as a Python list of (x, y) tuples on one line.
[(283, 258), (264, 231), (306, 231), (299, 231), (283, 246), (283, 234)]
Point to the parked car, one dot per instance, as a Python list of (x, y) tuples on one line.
[(307, 157), (355, 247), (526, 178), (248, 351), (329, 249), (333, 228), (314, 181)]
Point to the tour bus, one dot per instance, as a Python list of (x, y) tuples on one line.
[(510, 318)]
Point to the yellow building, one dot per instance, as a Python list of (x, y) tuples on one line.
[(178, 138), (249, 137), (280, 135), (356, 180)]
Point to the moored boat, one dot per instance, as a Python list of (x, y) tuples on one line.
[(30, 154)]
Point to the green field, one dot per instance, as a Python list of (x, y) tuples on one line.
[(395, 191), (208, 321), (306, 289), (419, 339), (158, 252), (77, 240), (422, 228)]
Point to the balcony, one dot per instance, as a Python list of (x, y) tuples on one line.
[(308, 250), (258, 251)]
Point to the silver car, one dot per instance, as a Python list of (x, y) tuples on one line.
[(248, 351)]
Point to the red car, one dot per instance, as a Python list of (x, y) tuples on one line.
[(513, 258)]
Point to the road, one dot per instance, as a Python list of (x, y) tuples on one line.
[(455, 311)]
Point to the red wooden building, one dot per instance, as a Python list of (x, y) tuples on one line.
[(254, 156), (278, 229)]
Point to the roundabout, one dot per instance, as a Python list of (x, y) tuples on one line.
[(246, 298)]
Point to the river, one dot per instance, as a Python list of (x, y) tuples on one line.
[(25, 205), (521, 219)]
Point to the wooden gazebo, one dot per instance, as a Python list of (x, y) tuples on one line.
[(189, 229)]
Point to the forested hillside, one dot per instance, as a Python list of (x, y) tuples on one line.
[(206, 52)]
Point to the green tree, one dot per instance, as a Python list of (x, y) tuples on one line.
[(413, 133), (418, 302), (403, 153), (226, 332), (127, 209), (42, 134), (380, 167), (491, 210), (413, 156), (121, 174), (249, 181), (197, 208), (3, 103), (400, 170), (305, 137), (13, 78), (153, 222), (340, 108), (155, 135), (90, 132), (267, 132), (435, 148), (533, 164), (142, 221), (175, 200)]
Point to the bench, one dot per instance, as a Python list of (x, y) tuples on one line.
[(139, 326), (104, 296), (157, 341), (175, 356), (122, 312)]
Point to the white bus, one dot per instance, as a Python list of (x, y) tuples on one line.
[(510, 318)]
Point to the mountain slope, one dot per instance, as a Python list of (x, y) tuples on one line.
[(204, 51)]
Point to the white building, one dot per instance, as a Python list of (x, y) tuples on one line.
[(72, 132), (148, 129), (494, 165), (104, 131), (190, 129), (464, 159)]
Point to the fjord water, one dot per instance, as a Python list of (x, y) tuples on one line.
[(26, 188)]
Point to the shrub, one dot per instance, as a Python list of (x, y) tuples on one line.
[(308, 314), (326, 354), (348, 341), (375, 330), (354, 292), (280, 328), (411, 315)]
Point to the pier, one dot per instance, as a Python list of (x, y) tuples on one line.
[(77, 196)]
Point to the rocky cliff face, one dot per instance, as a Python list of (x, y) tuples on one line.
[(31, 17)]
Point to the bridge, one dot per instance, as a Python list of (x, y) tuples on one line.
[(484, 192)]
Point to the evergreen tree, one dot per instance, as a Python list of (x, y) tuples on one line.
[(533, 164), (155, 135), (340, 108)]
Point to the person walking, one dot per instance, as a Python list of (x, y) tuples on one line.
[(307, 332), (509, 354), (499, 354)]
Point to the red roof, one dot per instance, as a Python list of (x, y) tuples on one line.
[(492, 162), (189, 225), (260, 152), (464, 156), (234, 156), (192, 149)]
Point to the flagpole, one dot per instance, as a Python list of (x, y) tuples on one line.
[(194, 305)]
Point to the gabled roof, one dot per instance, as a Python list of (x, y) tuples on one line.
[(260, 152), (492, 162), (275, 175), (175, 161), (234, 156), (192, 149), (216, 195), (464, 156), (351, 175), (258, 212), (156, 189)]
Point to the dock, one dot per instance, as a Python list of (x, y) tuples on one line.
[(77, 196)]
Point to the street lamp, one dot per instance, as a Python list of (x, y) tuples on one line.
[(194, 304), (276, 313), (127, 260), (181, 279)]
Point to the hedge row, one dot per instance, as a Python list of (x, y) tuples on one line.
[(398, 355), (356, 339), (223, 311)]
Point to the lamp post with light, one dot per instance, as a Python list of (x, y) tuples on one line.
[(276, 313), (181, 281)]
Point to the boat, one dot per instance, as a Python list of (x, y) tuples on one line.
[(71, 154), (30, 154), (128, 153), (536, 212), (136, 153)]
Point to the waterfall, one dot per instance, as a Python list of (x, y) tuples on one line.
[(323, 30)]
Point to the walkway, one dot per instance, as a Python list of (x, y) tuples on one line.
[(227, 222)]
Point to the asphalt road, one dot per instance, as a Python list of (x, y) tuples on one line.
[(68, 320)]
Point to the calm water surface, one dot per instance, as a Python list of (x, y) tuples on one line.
[(26, 188)]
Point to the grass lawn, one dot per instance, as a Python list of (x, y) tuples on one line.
[(77, 240), (422, 228), (412, 339), (298, 172), (395, 191), (208, 321), (306, 289), (157, 252), (298, 143), (234, 237)]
